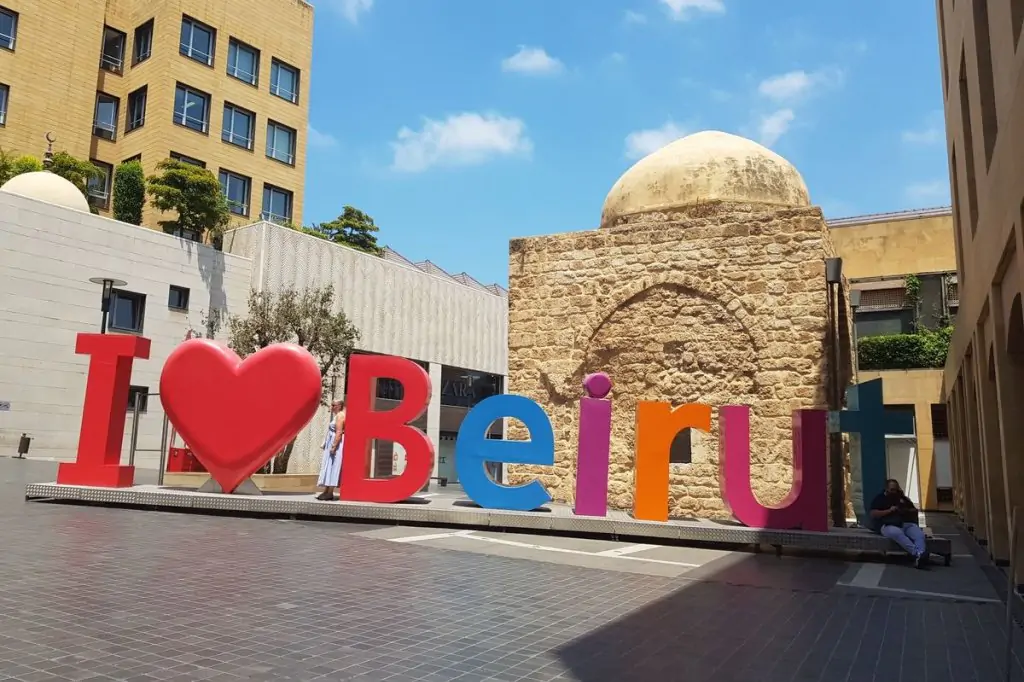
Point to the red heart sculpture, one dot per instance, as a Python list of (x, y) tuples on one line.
[(236, 414)]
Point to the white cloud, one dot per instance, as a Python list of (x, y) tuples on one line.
[(319, 139), (794, 85), (936, 191), (775, 125), (682, 10), (632, 17), (351, 9), (460, 140), (640, 143), (932, 132), (532, 60)]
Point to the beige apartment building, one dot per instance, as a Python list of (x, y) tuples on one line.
[(983, 83), (223, 85), (881, 253)]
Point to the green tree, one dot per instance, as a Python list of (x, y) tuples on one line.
[(129, 192), (352, 228), (304, 317), (193, 194), (74, 170), (11, 165)]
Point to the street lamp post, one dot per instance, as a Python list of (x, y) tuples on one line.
[(834, 280), (108, 284), (854, 305)]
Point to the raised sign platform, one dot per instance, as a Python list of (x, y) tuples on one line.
[(463, 513)]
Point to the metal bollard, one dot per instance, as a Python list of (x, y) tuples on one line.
[(135, 432), (23, 444), (1011, 593), (163, 451)]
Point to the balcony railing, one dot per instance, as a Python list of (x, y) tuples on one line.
[(237, 139), (183, 119), (104, 129), (112, 63), (285, 156)]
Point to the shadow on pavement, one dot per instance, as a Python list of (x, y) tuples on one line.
[(762, 618)]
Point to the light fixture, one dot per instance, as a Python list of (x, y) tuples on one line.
[(855, 298), (834, 270), (107, 293)]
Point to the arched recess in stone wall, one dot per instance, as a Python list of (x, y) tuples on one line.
[(563, 386), (1015, 332), (711, 290)]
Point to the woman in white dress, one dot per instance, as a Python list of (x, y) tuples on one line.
[(330, 467)]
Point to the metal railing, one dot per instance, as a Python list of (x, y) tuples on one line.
[(133, 445)]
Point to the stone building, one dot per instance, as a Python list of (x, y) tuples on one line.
[(705, 283)]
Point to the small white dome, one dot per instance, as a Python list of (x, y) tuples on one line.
[(706, 166), (45, 186)]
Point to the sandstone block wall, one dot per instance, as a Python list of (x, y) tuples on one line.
[(729, 307)]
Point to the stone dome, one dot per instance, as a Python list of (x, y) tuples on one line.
[(710, 166), (48, 187)]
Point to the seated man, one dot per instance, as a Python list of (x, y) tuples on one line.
[(896, 518)]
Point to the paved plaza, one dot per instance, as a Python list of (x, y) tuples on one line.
[(92, 593)]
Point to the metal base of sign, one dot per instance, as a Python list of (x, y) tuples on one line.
[(246, 487), (461, 513)]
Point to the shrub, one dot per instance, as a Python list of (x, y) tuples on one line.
[(924, 349), (129, 192)]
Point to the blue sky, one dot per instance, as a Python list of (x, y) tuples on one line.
[(460, 124)]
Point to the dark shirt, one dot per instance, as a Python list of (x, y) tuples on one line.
[(906, 512)]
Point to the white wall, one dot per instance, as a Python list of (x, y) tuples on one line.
[(47, 255), (398, 309), (901, 454), (943, 464)]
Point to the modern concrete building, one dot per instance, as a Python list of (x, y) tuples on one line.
[(51, 246), (983, 83), (881, 254), (223, 85)]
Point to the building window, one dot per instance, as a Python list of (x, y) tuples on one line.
[(277, 204), (883, 299), (137, 157), (238, 126), (105, 121), (243, 62), (187, 235), (965, 125), (197, 40), (138, 395), (281, 143), (112, 54), (284, 81), (136, 109), (5, 94), (177, 298), (904, 409), (681, 450), (8, 28), (98, 186), (127, 311), (986, 79), (237, 189), (187, 159), (1017, 18), (191, 108), (143, 44), (940, 425)]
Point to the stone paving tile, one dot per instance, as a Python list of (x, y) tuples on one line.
[(104, 594)]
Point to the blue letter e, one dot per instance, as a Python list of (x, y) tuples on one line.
[(473, 450)]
